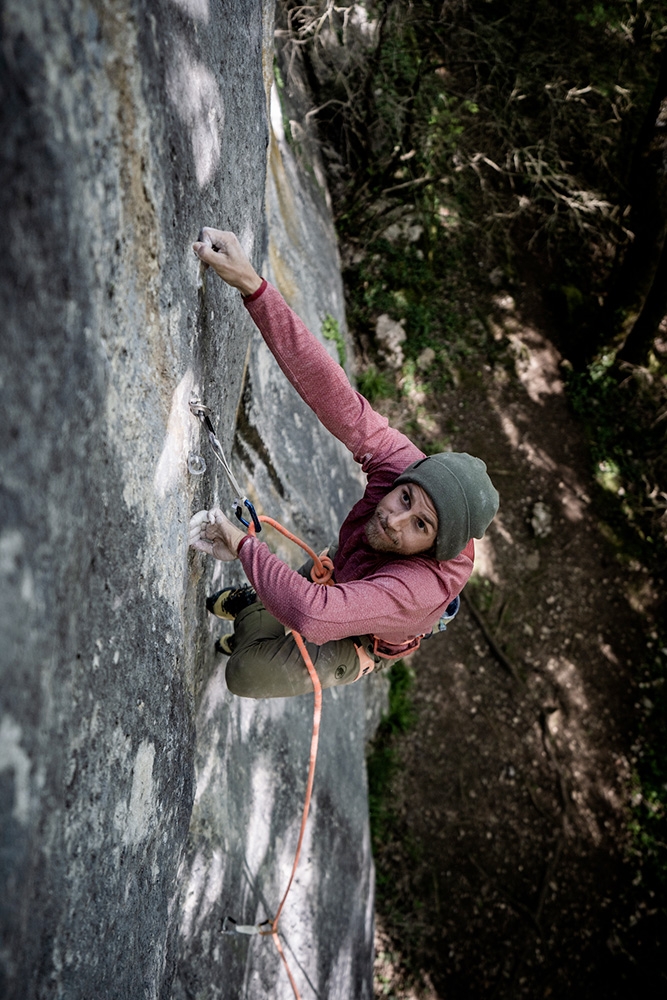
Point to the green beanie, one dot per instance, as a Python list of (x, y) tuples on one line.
[(464, 497)]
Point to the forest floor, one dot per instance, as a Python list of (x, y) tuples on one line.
[(508, 868)]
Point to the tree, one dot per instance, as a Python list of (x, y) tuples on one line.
[(638, 297), (536, 124)]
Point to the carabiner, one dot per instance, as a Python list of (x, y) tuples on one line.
[(238, 510)]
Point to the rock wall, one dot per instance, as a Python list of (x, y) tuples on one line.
[(141, 803)]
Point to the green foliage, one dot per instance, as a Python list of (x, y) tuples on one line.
[(481, 590), (510, 122), (436, 447), (464, 136), (401, 715), (629, 452), (374, 384), (280, 84), (382, 762), (331, 331), (424, 292)]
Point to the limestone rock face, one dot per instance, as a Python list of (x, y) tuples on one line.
[(141, 803)]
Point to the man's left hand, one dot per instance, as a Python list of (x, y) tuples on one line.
[(223, 252)]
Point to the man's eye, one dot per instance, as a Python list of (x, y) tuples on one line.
[(421, 525), (406, 497)]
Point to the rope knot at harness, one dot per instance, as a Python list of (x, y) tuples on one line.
[(322, 573)]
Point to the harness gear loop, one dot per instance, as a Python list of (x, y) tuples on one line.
[(366, 661), (390, 651)]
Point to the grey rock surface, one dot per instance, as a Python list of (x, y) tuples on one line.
[(141, 803)]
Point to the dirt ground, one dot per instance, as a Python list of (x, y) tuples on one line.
[(511, 872)]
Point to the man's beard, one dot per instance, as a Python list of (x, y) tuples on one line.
[(376, 537)]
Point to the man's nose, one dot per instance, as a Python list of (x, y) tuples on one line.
[(397, 519)]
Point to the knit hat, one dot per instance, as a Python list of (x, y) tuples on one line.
[(463, 495)]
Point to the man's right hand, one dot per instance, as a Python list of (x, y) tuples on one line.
[(213, 533), (223, 252)]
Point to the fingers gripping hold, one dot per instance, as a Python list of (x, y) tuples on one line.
[(197, 521), (222, 251), (196, 532), (213, 533)]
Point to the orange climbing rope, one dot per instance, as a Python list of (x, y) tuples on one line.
[(322, 573)]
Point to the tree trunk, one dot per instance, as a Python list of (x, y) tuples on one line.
[(640, 339), (647, 195)]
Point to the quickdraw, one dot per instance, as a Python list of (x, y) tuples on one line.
[(203, 414)]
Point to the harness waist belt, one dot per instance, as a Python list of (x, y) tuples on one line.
[(393, 651)]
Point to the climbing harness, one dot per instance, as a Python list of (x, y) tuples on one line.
[(203, 414), (390, 651)]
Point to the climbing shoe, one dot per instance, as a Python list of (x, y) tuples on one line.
[(225, 644), (227, 603)]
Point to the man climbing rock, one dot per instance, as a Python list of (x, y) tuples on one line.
[(404, 551)]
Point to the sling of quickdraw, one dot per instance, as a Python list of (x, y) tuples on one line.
[(203, 414)]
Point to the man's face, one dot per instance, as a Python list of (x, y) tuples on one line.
[(404, 522)]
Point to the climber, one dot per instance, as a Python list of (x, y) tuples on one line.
[(403, 554)]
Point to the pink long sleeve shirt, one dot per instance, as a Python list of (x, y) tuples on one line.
[(376, 593)]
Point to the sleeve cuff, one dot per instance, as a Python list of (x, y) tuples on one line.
[(246, 538), (255, 295)]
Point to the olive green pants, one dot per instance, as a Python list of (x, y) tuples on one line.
[(266, 663)]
